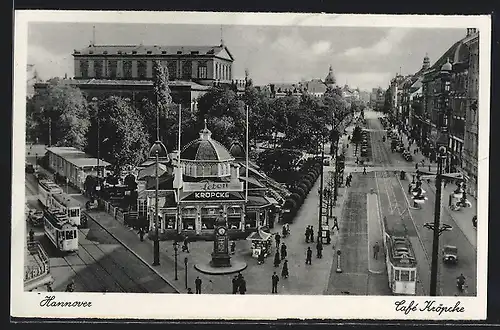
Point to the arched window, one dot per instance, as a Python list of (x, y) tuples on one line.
[(214, 170), (127, 69), (84, 68), (187, 69), (172, 69), (142, 69), (98, 65), (202, 70)]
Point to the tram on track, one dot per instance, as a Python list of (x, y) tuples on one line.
[(68, 205), (59, 230), (46, 189), (400, 257)]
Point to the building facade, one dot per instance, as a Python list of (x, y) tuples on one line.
[(209, 179), (444, 97), (127, 71), (471, 140)]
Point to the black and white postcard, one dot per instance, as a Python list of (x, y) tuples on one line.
[(310, 166)]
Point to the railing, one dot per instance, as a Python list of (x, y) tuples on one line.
[(37, 264)]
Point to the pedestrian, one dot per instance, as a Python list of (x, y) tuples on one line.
[(185, 245), (284, 270), (376, 249), (275, 279), (308, 255), (311, 234), (141, 234), (277, 259), (233, 247), (197, 284), (335, 223), (283, 251), (319, 249), (416, 166), (277, 237), (49, 288), (235, 282), (31, 235), (283, 231), (429, 167), (364, 169), (348, 181), (260, 258), (71, 286), (307, 234), (242, 286), (190, 291)]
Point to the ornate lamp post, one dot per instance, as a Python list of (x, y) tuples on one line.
[(186, 272), (94, 102), (157, 151), (176, 249)]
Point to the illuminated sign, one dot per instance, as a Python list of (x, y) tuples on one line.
[(212, 186)]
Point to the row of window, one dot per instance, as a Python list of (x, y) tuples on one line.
[(404, 275), (207, 170), (110, 69)]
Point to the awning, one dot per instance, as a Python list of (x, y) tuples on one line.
[(259, 235), (258, 201), (272, 200)]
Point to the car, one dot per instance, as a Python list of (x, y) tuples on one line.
[(36, 217), (29, 168), (327, 159), (450, 254)]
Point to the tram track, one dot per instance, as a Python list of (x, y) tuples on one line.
[(113, 277), (381, 155)]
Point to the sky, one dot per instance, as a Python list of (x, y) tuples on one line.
[(360, 56)]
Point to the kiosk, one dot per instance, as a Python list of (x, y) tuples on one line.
[(261, 242)]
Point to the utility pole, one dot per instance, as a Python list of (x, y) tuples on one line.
[(437, 216), (50, 132), (321, 190), (335, 177)]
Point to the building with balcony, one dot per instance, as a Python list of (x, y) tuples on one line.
[(471, 139), (445, 92), (127, 71), (411, 96)]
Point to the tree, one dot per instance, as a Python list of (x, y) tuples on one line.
[(225, 115), (62, 110), (387, 108), (261, 121), (357, 136), (279, 164), (126, 139)]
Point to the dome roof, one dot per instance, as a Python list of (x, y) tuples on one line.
[(237, 150), (447, 66), (330, 78), (205, 149)]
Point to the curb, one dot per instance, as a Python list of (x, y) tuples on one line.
[(135, 254)]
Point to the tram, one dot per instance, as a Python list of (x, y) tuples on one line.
[(60, 231), (46, 189), (400, 257), (68, 205)]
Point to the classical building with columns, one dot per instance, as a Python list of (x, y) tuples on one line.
[(209, 179), (127, 70)]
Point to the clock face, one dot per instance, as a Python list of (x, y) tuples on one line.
[(221, 231)]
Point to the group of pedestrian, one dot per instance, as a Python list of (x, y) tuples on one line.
[(309, 234), (239, 284)]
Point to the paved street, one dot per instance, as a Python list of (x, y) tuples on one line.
[(393, 195), (101, 263)]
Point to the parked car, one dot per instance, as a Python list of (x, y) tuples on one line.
[(29, 168)]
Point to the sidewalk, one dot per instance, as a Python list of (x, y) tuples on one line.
[(462, 217), (302, 280)]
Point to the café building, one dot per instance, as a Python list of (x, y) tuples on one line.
[(206, 180)]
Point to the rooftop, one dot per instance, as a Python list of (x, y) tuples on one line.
[(77, 157), (203, 50)]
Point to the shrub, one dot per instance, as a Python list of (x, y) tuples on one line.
[(296, 197), (301, 192), (306, 182), (302, 186)]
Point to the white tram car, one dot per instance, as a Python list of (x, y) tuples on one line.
[(400, 257), (46, 189), (60, 231), (68, 205)]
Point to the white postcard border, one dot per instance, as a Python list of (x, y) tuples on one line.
[(166, 306)]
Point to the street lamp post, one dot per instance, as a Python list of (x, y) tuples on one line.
[(94, 100), (156, 244), (176, 249), (321, 190), (437, 216), (186, 272)]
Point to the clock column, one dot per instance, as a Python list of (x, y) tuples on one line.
[(220, 255)]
